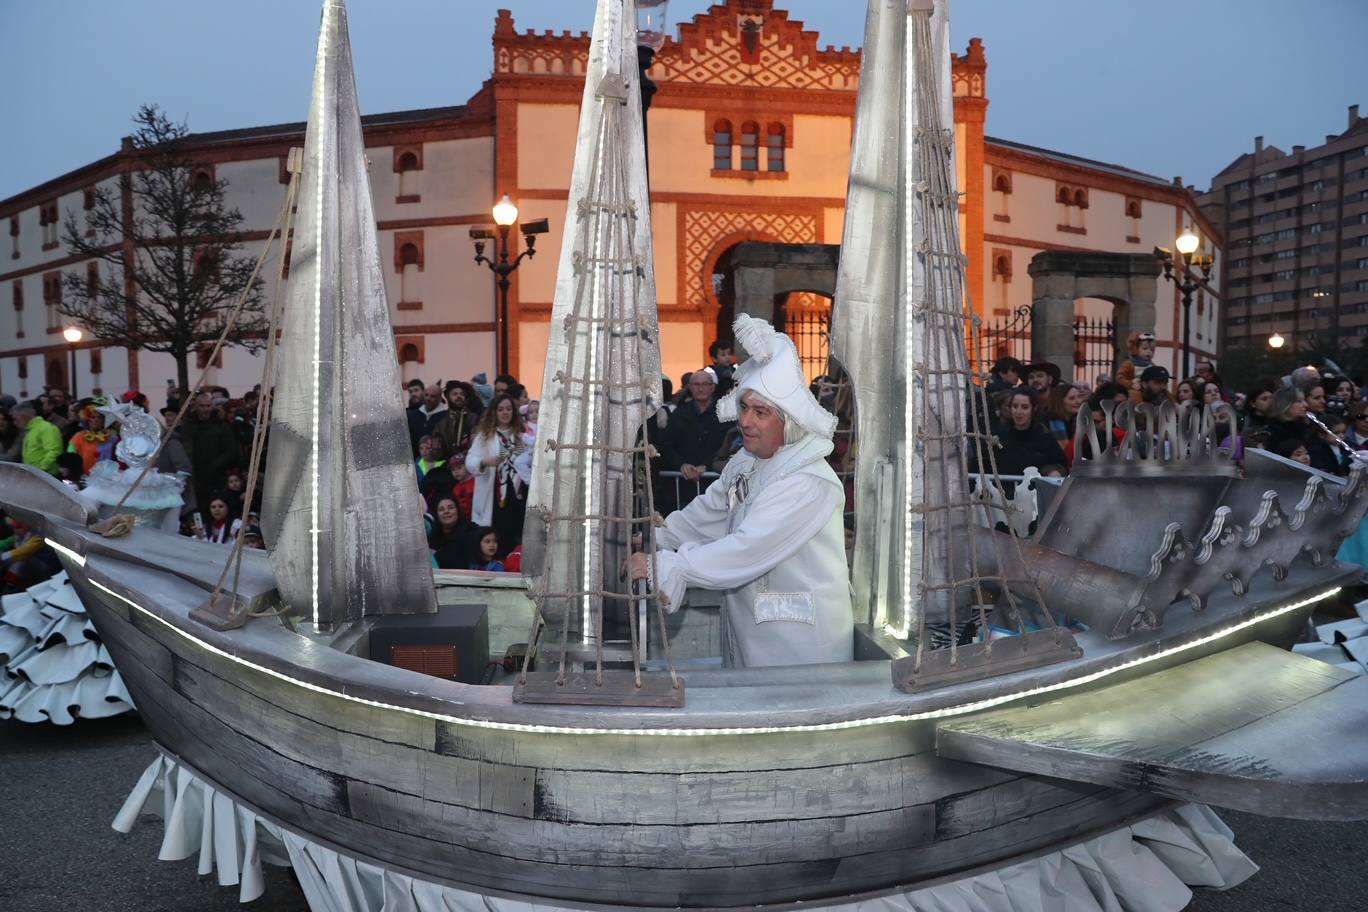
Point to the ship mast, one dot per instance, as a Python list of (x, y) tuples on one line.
[(901, 327), (589, 493), (340, 512)]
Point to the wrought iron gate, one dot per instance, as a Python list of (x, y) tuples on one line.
[(1094, 348), (1005, 337), (806, 318), (1010, 336)]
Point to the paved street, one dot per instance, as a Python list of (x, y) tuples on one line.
[(62, 786)]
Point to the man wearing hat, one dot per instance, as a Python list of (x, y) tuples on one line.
[(769, 534), (1154, 384), (1040, 376)]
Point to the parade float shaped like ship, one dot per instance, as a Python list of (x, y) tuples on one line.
[(1139, 667)]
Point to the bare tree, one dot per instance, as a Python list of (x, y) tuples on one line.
[(170, 272)]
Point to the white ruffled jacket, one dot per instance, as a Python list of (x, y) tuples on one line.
[(769, 534)]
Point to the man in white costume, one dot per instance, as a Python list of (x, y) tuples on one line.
[(769, 534)]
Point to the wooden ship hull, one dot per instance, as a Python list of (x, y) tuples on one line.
[(763, 785), (768, 787)]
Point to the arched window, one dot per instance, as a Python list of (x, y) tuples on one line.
[(1002, 266), (1133, 209), (722, 145), (1080, 199), (408, 353), (1063, 196), (750, 146), (410, 262), (202, 181), (408, 164), (1002, 183), (774, 145)]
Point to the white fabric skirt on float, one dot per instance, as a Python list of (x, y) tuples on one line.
[(53, 667), (1148, 866)]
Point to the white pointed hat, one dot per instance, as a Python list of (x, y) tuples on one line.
[(774, 372)]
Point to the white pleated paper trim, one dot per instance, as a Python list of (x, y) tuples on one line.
[(53, 667), (1146, 867)]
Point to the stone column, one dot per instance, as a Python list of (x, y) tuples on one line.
[(1052, 313), (755, 291), (1139, 313)]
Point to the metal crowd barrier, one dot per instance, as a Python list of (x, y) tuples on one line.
[(681, 483)]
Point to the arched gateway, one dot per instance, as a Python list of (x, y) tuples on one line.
[(761, 274), (1059, 278)]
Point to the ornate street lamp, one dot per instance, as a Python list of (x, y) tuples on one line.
[(73, 335), (505, 214), (1186, 280)]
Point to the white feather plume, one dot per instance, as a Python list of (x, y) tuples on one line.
[(758, 338)]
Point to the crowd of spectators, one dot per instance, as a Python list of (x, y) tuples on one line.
[(472, 442), (1303, 417)]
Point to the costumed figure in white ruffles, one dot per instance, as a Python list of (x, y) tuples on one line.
[(769, 534), (157, 500)]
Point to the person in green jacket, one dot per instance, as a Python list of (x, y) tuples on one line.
[(42, 440)]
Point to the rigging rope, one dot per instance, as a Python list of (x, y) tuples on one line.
[(121, 523)]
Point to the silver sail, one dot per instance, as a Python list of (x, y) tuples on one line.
[(901, 327), (603, 358), (340, 505), (874, 332)]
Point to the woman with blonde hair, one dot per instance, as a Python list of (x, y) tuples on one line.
[(500, 459)]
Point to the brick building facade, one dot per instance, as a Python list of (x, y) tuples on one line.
[(749, 140)]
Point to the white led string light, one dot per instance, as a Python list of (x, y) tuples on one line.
[(318, 322), (78, 559), (909, 391), (946, 712)]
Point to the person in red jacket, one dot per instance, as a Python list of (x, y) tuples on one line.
[(464, 488)]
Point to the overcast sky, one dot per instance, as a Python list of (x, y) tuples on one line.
[(1167, 87)]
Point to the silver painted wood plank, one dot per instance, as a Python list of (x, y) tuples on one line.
[(1254, 728), (336, 749), (701, 848)]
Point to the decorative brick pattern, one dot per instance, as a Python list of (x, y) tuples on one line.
[(748, 42), (708, 233)]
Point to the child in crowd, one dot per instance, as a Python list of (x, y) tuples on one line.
[(486, 542), (235, 483), (463, 488), (1141, 347), (429, 451), (1294, 450), (223, 526)]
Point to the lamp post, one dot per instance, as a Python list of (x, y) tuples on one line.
[(73, 335), (505, 214), (1186, 280), (652, 23), (1276, 342)]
